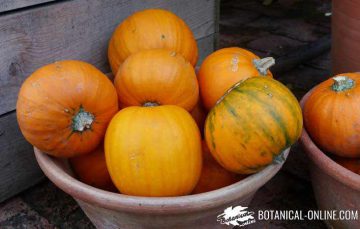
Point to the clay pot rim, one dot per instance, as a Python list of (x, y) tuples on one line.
[(324, 162), (154, 205)]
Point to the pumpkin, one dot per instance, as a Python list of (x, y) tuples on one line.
[(331, 115), (148, 29), (213, 176), (153, 151), (225, 67), (64, 108), (352, 164), (199, 115), (157, 76), (252, 124), (91, 169)]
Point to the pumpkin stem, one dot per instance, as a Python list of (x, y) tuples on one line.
[(263, 65), (82, 120), (342, 83), (151, 104)]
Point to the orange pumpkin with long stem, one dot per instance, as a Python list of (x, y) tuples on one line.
[(226, 67), (91, 169), (149, 29), (153, 151), (158, 76), (64, 108), (331, 115)]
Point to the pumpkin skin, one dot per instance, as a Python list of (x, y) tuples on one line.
[(153, 151), (199, 115), (157, 76), (213, 176), (91, 169), (224, 68), (252, 124), (352, 164), (332, 117), (149, 29), (64, 108)]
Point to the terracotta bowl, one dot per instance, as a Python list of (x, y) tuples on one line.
[(335, 187), (112, 210)]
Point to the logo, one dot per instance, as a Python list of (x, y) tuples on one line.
[(237, 216)]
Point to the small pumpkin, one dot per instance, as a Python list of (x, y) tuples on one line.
[(64, 108), (213, 176), (91, 169), (157, 76), (352, 164), (252, 124), (148, 29), (153, 151), (331, 115), (199, 115), (225, 67)]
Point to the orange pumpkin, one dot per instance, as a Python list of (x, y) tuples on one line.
[(331, 115), (64, 108), (225, 67), (252, 124), (157, 76), (153, 151), (91, 169), (352, 164), (213, 176), (199, 115), (148, 29)]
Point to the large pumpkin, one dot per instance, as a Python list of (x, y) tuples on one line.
[(148, 29), (225, 67), (91, 169), (157, 76), (213, 176), (332, 115), (252, 124), (64, 108), (153, 151)]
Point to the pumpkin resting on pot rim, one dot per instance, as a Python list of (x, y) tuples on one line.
[(213, 176), (91, 169), (252, 124), (226, 67), (153, 151), (331, 115), (64, 108), (157, 76), (149, 29)]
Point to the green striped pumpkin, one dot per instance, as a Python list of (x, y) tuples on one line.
[(252, 124)]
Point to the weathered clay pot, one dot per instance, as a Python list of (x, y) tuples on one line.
[(335, 187), (111, 210), (345, 36)]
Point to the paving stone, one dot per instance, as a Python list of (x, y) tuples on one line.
[(16, 214), (274, 44), (59, 208)]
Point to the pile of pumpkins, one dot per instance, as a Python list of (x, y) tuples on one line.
[(143, 134), (331, 117)]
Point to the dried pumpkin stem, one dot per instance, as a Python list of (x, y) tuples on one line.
[(263, 65), (82, 120), (342, 83), (150, 104)]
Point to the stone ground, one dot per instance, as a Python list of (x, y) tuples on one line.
[(276, 30)]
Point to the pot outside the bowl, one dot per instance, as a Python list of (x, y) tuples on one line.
[(335, 187), (112, 210)]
